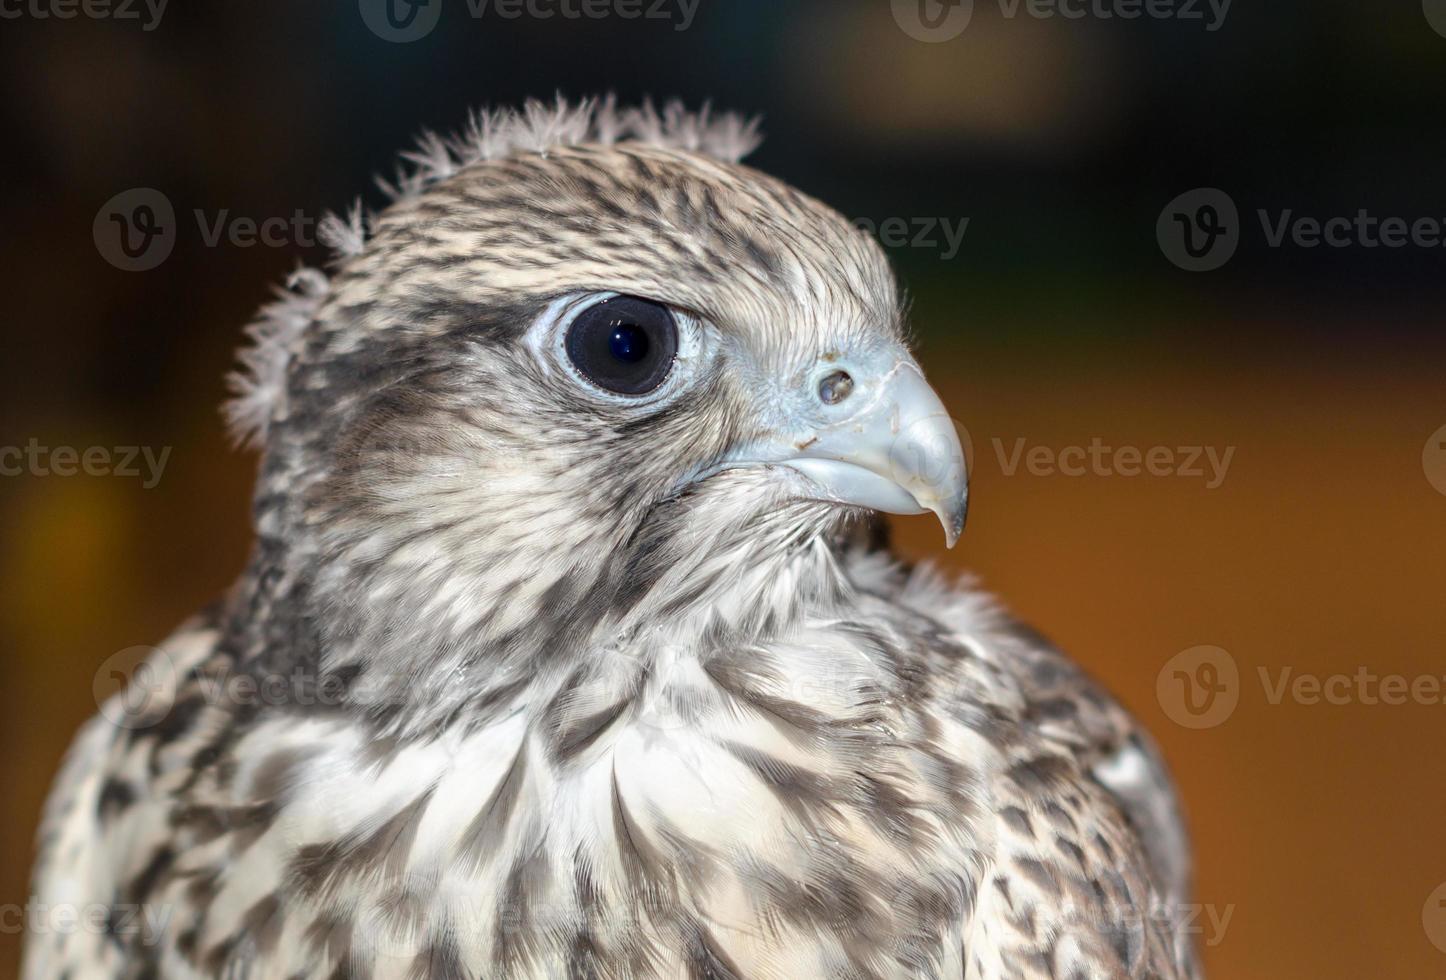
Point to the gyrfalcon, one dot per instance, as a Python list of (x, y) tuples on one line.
[(571, 644)]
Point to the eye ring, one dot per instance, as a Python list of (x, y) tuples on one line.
[(624, 345)]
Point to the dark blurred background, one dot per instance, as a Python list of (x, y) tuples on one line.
[(1059, 318)]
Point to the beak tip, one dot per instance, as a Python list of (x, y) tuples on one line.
[(952, 519)]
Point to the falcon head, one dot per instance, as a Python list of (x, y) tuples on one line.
[(581, 358)]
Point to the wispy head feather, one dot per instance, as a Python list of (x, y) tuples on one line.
[(258, 386)]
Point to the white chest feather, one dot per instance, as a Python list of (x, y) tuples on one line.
[(765, 807)]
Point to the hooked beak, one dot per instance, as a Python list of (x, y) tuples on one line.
[(890, 446)]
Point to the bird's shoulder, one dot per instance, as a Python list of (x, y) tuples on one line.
[(1088, 839), (107, 832)]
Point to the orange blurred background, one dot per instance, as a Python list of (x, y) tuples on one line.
[(1059, 322)]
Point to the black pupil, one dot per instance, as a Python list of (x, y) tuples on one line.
[(625, 345), (629, 343)]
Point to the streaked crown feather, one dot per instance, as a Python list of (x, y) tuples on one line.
[(258, 386)]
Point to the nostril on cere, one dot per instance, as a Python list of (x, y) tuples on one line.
[(835, 388)]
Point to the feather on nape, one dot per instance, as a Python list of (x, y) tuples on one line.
[(258, 386)]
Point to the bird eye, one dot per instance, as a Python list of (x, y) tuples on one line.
[(624, 345)]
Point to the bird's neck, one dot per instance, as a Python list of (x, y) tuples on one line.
[(607, 611)]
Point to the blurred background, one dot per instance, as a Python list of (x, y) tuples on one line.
[(1025, 169)]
